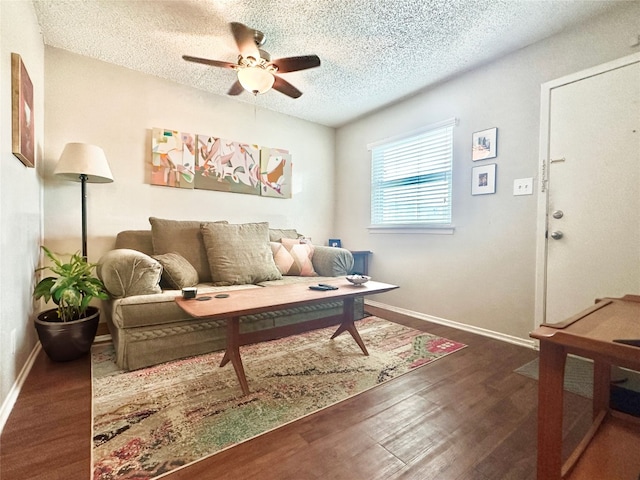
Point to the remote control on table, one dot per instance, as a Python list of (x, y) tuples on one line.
[(322, 287)]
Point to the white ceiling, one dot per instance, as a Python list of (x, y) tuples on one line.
[(373, 52)]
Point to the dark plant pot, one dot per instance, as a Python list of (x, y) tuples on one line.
[(66, 341)]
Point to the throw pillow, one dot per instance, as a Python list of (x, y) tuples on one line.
[(177, 273), (127, 272), (182, 237), (239, 254), (293, 257)]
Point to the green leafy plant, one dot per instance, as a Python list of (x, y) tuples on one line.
[(73, 288)]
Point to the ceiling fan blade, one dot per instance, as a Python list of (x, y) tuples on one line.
[(236, 88), (245, 39), (293, 64), (206, 61), (285, 87)]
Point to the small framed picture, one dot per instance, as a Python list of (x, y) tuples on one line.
[(484, 144), (335, 242), (22, 120), (483, 179)]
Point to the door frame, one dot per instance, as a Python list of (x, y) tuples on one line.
[(543, 192)]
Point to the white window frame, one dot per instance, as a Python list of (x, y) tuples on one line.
[(412, 227)]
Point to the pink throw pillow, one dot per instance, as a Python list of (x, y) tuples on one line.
[(293, 257)]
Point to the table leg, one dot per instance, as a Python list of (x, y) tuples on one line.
[(550, 404), (601, 386), (348, 325), (232, 352)]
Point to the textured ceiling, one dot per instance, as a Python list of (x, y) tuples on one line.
[(373, 52)]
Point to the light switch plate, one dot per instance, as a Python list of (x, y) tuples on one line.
[(523, 186)]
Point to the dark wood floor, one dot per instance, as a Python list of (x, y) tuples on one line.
[(467, 416)]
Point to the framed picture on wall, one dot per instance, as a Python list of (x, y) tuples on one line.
[(484, 144), (483, 179), (22, 123), (335, 242)]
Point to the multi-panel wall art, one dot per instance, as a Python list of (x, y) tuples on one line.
[(206, 162)]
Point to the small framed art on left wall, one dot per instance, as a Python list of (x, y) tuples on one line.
[(22, 121)]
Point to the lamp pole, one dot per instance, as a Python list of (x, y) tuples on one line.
[(83, 189)]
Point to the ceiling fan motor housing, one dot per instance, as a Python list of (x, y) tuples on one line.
[(259, 38)]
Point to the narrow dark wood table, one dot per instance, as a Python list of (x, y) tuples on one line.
[(267, 299), (611, 448)]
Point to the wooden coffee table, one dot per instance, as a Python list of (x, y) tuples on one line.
[(268, 299)]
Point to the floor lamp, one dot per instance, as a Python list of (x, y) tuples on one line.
[(84, 163)]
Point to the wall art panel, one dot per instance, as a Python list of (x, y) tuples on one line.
[(227, 166), (275, 173), (173, 158)]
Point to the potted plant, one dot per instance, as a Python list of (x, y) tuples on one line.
[(67, 332)]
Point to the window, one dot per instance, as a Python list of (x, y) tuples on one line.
[(411, 179)]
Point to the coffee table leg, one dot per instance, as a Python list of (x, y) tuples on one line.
[(233, 352), (348, 325)]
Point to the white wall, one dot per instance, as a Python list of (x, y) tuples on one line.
[(116, 108), (20, 197), (484, 274)]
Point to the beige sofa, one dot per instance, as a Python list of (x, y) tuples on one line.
[(147, 268)]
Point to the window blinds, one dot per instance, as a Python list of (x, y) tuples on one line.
[(411, 178)]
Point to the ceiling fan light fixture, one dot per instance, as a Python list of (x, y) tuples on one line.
[(255, 79)]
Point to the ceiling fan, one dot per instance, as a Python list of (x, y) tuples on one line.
[(257, 73)]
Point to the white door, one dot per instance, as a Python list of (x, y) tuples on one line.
[(593, 223)]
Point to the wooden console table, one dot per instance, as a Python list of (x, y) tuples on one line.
[(611, 448), (237, 303)]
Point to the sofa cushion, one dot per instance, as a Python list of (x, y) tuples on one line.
[(177, 273), (239, 253), (293, 257), (182, 237), (139, 240)]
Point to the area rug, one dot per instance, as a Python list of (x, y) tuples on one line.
[(151, 421), (578, 375)]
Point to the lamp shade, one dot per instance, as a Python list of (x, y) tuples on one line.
[(83, 159)]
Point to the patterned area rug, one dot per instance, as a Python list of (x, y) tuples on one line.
[(151, 421)]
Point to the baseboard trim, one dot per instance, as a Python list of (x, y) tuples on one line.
[(102, 338), (11, 399), (450, 323)]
